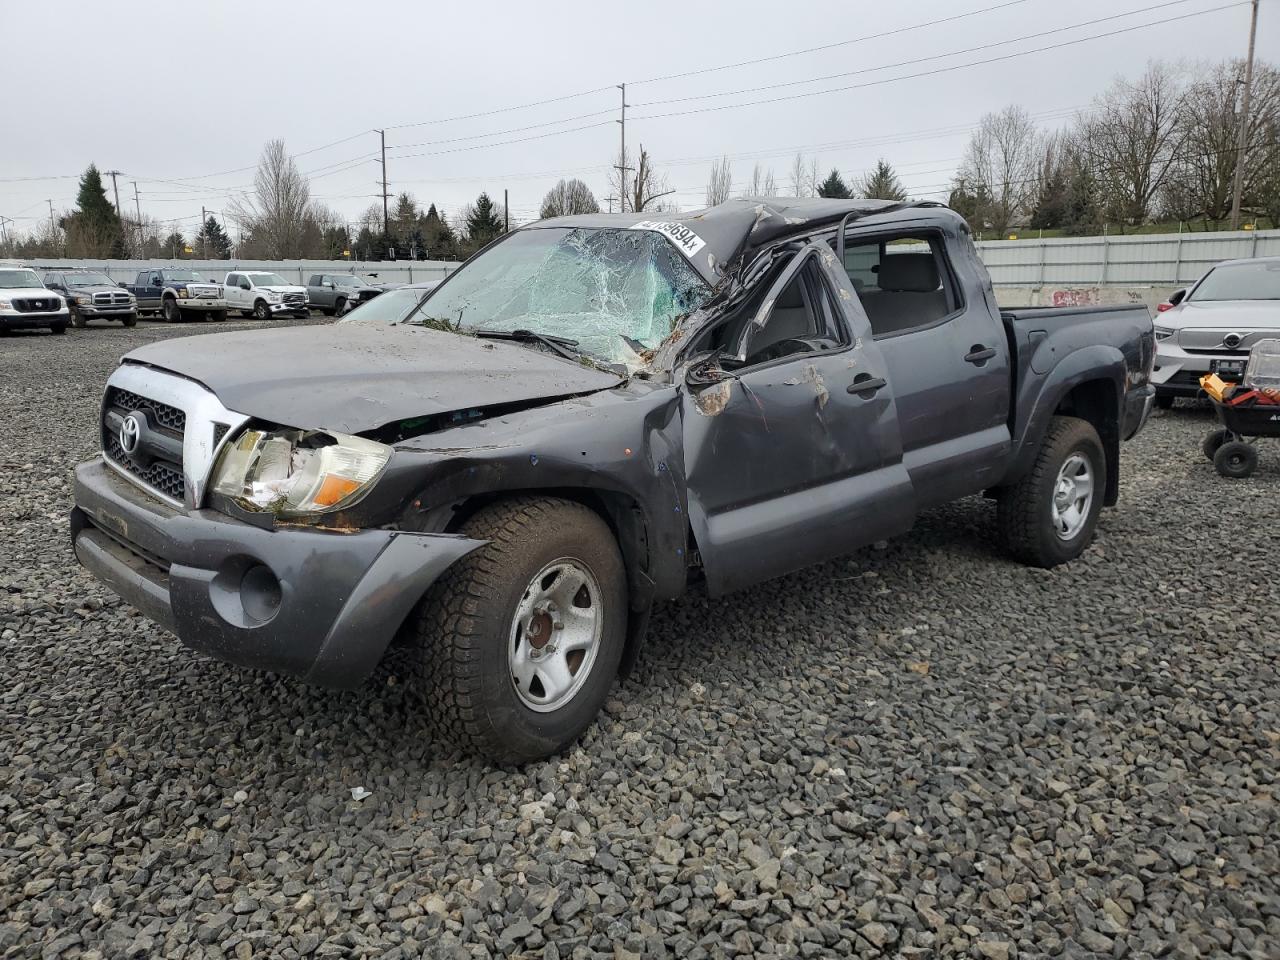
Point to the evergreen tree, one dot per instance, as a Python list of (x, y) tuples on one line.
[(94, 228), (882, 184), (212, 241), (483, 223), (174, 246), (834, 186), (438, 237)]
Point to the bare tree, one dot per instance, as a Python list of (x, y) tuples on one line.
[(1199, 182), (568, 197), (762, 183), (804, 176), (275, 215), (1132, 136), (644, 187), (721, 183), (999, 168)]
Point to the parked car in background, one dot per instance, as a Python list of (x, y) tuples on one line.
[(91, 295), (263, 295), (336, 293), (26, 303), (178, 294), (1213, 325), (393, 305), (586, 417)]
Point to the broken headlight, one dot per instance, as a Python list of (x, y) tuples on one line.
[(296, 473)]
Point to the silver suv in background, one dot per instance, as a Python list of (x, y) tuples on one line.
[(1212, 326)]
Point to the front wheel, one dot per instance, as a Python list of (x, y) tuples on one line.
[(131, 320), (77, 320), (58, 328), (1049, 516), (261, 311), (172, 312), (1236, 459), (517, 645)]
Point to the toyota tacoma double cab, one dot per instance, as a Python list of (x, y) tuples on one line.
[(589, 415), (177, 294)]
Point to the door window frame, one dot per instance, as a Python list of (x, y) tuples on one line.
[(946, 272)]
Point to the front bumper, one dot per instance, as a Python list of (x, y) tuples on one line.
[(1178, 372), (318, 604), (293, 308), (31, 321), (202, 303), (106, 313)]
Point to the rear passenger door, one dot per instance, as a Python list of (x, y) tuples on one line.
[(795, 456), (947, 357)]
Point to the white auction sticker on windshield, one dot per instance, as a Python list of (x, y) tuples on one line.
[(684, 238)]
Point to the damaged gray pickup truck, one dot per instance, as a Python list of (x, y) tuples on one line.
[(587, 416)]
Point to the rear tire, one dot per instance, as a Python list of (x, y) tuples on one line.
[(474, 636), (261, 311), (1236, 459), (1044, 518), (1165, 401), (1214, 441)]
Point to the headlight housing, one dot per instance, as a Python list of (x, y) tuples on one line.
[(298, 473), (6, 304), (182, 292), (82, 299), (1164, 333), (272, 295)]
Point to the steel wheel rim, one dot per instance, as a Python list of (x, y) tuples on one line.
[(1072, 498), (555, 635)]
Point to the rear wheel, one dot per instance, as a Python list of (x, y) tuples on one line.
[(261, 311), (1214, 441), (1049, 516), (171, 311), (1236, 459), (517, 645)]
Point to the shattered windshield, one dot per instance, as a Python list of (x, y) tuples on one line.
[(614, 291)]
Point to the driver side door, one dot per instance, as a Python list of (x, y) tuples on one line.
[(795, 456)]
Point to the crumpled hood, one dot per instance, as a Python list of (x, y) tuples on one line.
[(1245, 314), (353, 377)]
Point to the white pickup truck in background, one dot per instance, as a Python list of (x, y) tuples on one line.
[(264, 295)]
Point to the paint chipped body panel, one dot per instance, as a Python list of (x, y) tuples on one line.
[(770, 426)]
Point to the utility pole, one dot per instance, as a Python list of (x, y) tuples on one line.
[(386, 217), (115, 189), (4, 232), (1242, 144), (622, 155), (137, 205), (204, 236), (506, 212)]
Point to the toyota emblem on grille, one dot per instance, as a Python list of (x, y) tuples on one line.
[(1232, 340), (130, 432)]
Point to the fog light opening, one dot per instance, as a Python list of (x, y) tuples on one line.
[(260, 593)]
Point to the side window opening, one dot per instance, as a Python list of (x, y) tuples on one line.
[(902, 282), (802, 319)]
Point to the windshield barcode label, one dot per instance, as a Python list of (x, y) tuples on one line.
[(684, 238)]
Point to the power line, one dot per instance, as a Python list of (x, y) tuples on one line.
[(490, 113), (940, 70), (917, 60), (831, 46)]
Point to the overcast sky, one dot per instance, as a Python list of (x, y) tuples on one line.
[(183, 92)]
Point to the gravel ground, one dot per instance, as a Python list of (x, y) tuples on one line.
[(919, 751)]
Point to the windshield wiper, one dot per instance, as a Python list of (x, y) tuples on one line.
[(557, 345)]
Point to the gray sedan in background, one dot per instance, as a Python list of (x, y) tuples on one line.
[(1211, 326)]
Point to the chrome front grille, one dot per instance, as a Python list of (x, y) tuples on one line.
[(156, 459), (294, 299), (1221, 341)]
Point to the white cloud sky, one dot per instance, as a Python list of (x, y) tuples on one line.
[(165, 91)]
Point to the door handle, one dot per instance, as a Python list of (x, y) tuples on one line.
[(978, 354), (866, 384)]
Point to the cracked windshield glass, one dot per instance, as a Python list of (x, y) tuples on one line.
[(616, 292)]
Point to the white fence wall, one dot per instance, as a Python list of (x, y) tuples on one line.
[(1166, 261), (295, 271), (1161, 261)]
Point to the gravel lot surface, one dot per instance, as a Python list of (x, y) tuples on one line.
[(924, 750)]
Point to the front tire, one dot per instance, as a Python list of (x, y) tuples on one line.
[(1050, 515), (171, 311), (340, 306), (77, 320), (58, 328), (1236, 459), (131, 320), (261, 311), (516, 646)]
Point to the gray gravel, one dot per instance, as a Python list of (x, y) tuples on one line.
[(920, 751)]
